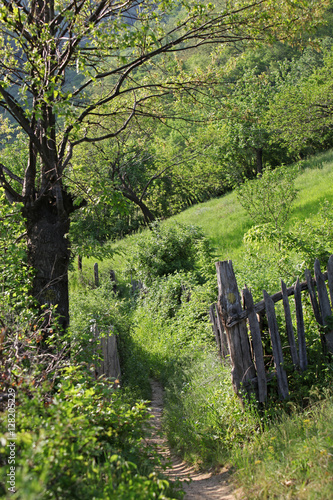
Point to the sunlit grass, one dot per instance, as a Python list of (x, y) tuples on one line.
[(290, 460)]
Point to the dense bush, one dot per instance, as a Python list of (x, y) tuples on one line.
[(14, 273), (95, 306), (84, 441), (167, 249), (269, 198)]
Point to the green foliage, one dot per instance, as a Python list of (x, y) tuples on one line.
[(14, 273), (90, 306), (246, 136), (312, 238), (292, 458), (203, 418), (103, 219), (268, 200), (170, 319), (84, 441), (165, 250), (300, 115)]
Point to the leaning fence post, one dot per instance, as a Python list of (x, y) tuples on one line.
[(324, 304), (276, 346), (289, 325), (313, 297), (303, 361), (257, 345), (229, 306), (223, 336)]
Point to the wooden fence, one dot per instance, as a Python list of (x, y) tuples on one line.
[(107, 352), (237, 324)]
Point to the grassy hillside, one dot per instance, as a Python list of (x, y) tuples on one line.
[(224, 221)]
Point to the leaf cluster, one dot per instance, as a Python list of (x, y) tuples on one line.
[(166, 250)]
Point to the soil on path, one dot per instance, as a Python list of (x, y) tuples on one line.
[(197, 485)]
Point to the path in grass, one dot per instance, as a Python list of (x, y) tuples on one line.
[(197, 485)]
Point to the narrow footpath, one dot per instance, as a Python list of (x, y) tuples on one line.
[(197, 485)]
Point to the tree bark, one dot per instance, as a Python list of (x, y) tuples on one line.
[(147, 214), (48, 255)]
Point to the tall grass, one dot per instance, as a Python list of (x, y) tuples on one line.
[(292, 458)]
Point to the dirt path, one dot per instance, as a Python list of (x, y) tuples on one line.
[(197, 485)]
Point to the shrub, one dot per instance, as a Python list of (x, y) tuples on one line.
[(14, 274), (168, 249), (269, 198), (90, 306), (84, 442)]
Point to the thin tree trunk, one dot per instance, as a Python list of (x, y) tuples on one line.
[(259, 160), (147, 214)]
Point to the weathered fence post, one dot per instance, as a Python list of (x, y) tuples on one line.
[(303, 361), (324, 304), (223, 336), (108, 364), (289, 325), (313, 296), (215, 329), (96, 274), (276, 346), (229, 306), (257, 345)]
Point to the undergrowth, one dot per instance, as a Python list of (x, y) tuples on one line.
[(78, 437)]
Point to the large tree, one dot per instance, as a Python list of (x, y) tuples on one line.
[(54, 52)]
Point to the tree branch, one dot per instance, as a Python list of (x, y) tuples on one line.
[(11, 195)]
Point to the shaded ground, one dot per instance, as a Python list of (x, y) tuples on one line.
[(197, 485)]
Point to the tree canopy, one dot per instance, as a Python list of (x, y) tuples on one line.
[(76, 72)]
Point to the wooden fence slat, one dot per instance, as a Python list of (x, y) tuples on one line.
[(113, 280), (257, 345), (276, 346), (322, 292), (229, 304), (108, 364), (96, 274), (303, 362), (223, 335), (289, 325), (324, 303), (260, 306), (330, 277), (111, 365), (215, 329), (313, 296)]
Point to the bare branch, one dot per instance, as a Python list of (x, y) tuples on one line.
[(11, 194)]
